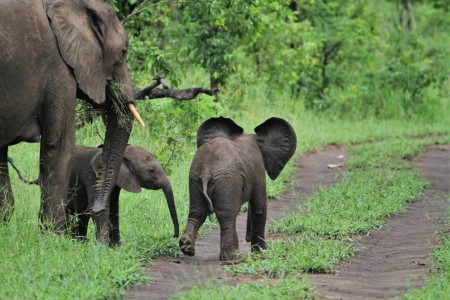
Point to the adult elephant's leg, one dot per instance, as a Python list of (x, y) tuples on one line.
[(114, 233), (196, 218), (248, 233), (58, 139), (6, 195), (258, 205)]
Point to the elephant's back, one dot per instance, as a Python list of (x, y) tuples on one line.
[(26, 38), (27, 45), (222, 156), (83, 154)]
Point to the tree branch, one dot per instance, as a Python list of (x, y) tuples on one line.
[(186, 94)]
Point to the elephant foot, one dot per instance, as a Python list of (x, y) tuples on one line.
[(248, 238), (187, 246), (258, 245)]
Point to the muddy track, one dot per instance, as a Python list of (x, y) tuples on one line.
[(170, 275), (396, 258)]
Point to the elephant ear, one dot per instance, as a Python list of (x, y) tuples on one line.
[(79, 32), (277, 140), (126, 179), (217, 127)]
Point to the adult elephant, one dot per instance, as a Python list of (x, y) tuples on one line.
[(51, 53)]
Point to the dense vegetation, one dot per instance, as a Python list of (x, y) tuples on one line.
[(341, 71), (343, 58)]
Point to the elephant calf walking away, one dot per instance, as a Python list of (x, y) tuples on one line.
[(228, 170), (139, 169)]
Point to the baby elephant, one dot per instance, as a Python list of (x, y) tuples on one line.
[(139, 169), (229, 169)]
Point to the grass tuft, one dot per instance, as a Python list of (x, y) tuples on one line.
[(116, 91)]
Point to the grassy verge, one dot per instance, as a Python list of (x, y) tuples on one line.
[(378, 183)]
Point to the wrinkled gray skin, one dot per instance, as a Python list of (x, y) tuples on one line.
[(51, 52), (228, 170), (139, 169)]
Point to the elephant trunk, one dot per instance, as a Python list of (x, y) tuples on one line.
[(167, 189), (116, 138), (119, 121)]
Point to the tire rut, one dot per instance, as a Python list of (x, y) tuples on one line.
[(171, 275), (393, 260)]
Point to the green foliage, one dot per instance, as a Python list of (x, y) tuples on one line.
[(352, 58)]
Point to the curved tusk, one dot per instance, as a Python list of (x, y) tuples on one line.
[(135, 114)]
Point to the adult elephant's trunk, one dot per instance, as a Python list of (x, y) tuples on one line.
[(117, 133), (167, 189)]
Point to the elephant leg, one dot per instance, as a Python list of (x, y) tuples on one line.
[(58, 139), (227, 207), (114, 233), (83, 222), (258, 211), (75, 209), (72, 221), (6, 195), (101, 221), (196, 218), (229, 243), (248, 233), (236, 240)]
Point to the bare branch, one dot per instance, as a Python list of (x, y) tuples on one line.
[(186, 94)]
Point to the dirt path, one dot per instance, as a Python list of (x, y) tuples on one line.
[(397, 258), (170, 275)]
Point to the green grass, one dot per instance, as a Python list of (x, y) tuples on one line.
[(379, 183)]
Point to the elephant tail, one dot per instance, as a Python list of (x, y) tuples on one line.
[(36, 181), (205, 194)]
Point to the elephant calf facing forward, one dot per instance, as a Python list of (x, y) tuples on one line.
[(229, 169), (139, 169)]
